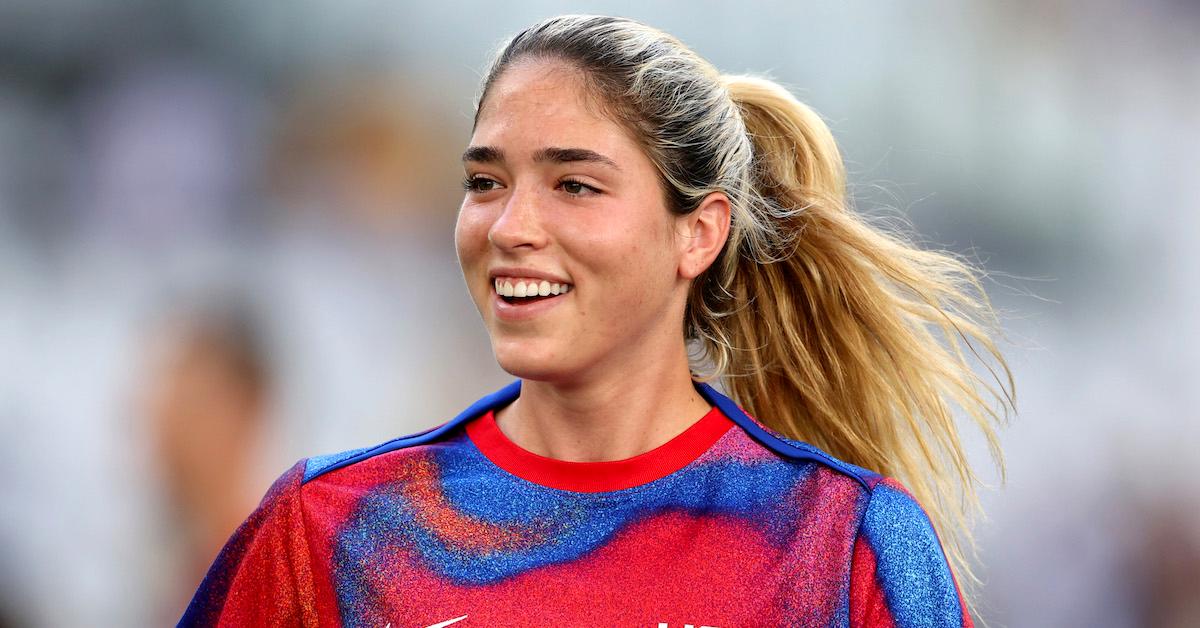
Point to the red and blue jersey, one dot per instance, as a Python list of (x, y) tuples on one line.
[(729, 524)]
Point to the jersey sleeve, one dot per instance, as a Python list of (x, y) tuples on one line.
[(900, 577), (262, 577)]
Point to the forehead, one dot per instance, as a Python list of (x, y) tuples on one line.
[(547, 102)]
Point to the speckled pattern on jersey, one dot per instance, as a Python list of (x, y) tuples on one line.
[(430, 531)]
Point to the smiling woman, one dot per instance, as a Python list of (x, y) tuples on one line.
[(559, 192), (624, 203)]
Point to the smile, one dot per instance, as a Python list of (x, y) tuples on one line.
[(520, 299), (517, 290)]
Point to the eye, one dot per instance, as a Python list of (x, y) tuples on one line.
[(478, 183), (577, 188)]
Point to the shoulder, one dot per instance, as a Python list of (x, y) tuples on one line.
[(886, 507), (280, 498), (801, 451), (900, 570), (245, 570), (317, 466), (895, 523), (788, 448)]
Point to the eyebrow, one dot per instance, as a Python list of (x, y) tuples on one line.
[(483, 154), (491, 154), (566, 155)]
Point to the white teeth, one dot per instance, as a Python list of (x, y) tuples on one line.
[(532, 288)]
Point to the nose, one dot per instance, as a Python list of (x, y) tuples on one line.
[(519, 224)]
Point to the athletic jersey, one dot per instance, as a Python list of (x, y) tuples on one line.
[(729, 524)]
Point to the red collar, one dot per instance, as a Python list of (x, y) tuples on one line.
[(596, 477)]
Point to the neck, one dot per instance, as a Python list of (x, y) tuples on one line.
[(625, 413)]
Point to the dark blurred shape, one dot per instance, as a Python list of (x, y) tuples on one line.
[(207, 399), (1166, 570)]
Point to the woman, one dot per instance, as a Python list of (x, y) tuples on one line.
[(624, 203)]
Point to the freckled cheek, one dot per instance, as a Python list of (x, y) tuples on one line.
[(628, 281)]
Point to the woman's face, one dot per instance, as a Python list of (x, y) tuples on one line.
[(559, 197)]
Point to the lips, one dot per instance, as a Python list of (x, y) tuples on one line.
[(524, 292), (515, 309)]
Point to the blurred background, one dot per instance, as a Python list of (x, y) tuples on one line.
[(226, 244)]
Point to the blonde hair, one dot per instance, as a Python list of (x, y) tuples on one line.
[(826, 328)]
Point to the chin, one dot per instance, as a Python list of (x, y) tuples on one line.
[(526, 361)]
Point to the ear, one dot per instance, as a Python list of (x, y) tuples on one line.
[(701, 234)]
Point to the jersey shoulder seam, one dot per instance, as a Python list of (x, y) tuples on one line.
[(868, 478), (319, 465), (782, 445)]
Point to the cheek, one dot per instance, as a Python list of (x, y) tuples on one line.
[(471, 245), (470, 235), (636, 261)]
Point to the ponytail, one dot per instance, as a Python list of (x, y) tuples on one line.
[(850, 338)]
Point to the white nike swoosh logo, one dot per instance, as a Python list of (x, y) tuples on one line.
[(447, 622)]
